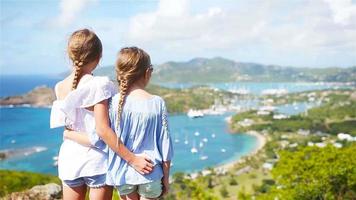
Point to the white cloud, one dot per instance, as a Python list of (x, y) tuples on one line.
[(69, 10), (343, 11), (316, 28)]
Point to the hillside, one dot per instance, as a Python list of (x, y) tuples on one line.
[(204, 70), (291, 165), (177, 100), (336, 115), (40, 96)]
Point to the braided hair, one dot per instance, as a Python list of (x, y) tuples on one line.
[(84, 46), (131, 66)]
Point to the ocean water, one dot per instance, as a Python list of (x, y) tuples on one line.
[(15, 85), (26, 130)]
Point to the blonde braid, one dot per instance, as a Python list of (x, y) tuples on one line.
[(131, 66), (84, 47), (77, 74), (123, 92)]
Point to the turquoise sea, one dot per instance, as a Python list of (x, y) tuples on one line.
[(25, 132)]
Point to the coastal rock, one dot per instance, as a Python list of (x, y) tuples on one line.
[(2, 155), (18, 152), (41, 96), (49, 191)]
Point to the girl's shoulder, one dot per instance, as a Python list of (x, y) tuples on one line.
[(91, 92), (94, 81), (151, 103), (152, 98)]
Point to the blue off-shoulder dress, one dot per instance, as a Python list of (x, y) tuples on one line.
[(143, 130)]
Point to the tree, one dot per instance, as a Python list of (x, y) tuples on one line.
[(223, 191), (315, 173)]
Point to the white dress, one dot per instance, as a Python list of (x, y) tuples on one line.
[(75, 160)]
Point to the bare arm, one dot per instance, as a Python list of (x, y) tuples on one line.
[(165, 179), (141, 163), (80, 138)]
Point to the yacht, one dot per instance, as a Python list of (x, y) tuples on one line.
[(195, 113)]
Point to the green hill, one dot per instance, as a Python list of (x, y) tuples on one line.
[(218, 69)]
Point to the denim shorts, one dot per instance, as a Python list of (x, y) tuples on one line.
[(91, 181), (147, 190)]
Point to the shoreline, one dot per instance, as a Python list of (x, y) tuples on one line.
[(222, 168), (261, 142)]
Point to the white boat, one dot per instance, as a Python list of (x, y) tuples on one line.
[(277, 92), (186, 139), (205, 140), (201, 144), (213, 135), (203, 157), (241, 91), (267, 108), (195, 113), (194, 149), (176, 138), (223, 150), (197, 133)]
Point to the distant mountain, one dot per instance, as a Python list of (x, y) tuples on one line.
[(218, 69)]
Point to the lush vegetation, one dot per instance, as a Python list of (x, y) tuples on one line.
[(299, 171), (181, 100), (336, 116), (14, 181), (321, 95), (313, 173)]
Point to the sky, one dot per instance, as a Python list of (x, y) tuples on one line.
[(318, 33)]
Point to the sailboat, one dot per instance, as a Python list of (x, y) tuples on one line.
[(186, 139), (194, 149), (55, 161), (203, 156), (176, 140)]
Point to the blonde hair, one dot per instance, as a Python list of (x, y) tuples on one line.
[(131, 66), (84, 46)]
